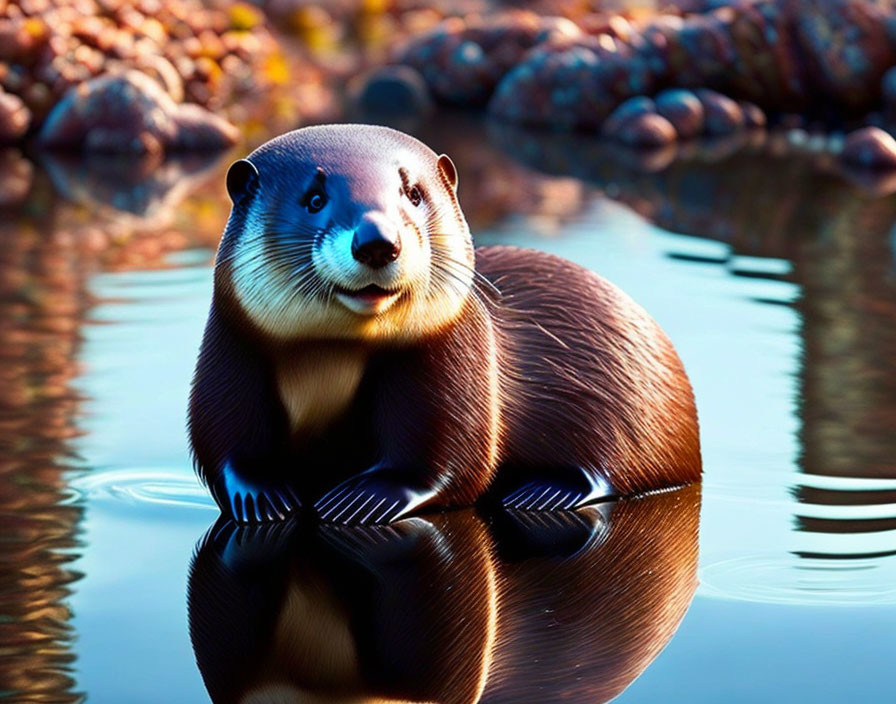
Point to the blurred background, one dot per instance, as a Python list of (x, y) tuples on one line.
[(730, 165)]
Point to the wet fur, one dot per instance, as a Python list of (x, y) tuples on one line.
[(545, 368)]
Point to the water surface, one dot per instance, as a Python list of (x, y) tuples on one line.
[(776, 280)]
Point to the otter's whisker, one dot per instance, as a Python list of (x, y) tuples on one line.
[(466, 267), (452, 282), (480, 282)]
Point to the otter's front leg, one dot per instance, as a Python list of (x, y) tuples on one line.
[(238, 429), (250, 500), (435, 418), (554, 488), (381, 494), (411, 469)]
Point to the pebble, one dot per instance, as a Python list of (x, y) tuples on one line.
[(871, 148), (754, 117), (722, 114), (48, 48), (391, 90), (624, 115), (683, 109), (15, 118), (462, 60), (647, 130), (774, 56)]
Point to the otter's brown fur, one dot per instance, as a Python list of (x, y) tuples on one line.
[(547, 388), (587, 376)]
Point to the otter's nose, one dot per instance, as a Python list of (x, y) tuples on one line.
[(375, 244)]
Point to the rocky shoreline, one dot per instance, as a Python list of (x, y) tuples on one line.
[(160, 76), (823, 65), (125, 76)]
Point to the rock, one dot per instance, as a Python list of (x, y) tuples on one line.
[(15, 118), (463, 60), (626, 112), (722, 114), (813, 56), (754, 117), (647, 130), (201, 130), (557, 28), (391, 90), (131, 113), (876, 183), (844, 49), (574, 85), (683, 109), (870, 147), (214, 53), (127, 112)]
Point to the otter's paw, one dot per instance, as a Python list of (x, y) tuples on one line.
[(372, 497), (566, 489), (250, 501)]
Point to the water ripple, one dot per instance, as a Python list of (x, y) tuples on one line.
[(143, 486), (801, 581)]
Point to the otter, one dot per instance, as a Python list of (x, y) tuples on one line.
[(362, 358)]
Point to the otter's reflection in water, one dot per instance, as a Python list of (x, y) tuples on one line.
[(522, 608)]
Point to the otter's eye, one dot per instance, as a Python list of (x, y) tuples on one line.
[(414, 193), (315, 202), (315, 197)]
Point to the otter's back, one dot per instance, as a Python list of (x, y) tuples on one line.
[(588, 377)]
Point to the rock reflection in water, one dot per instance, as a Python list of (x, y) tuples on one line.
[(450, 608), (50, 248), (42, 302), (147, 186), (16, 175)]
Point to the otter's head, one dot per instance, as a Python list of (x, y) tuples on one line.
[(346, 232)]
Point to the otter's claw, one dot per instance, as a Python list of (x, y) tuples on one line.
[(568, 490), (368, 499), (535, 496), (252, 502)]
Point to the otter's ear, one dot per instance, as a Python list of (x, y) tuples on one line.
[(242, 180), (446, 166)]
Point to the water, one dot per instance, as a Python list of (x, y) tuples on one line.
[(775, 278)]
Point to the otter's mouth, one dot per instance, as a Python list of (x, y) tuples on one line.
[(369, 300)]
